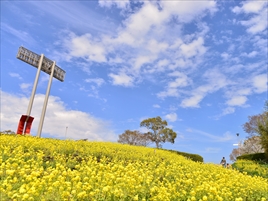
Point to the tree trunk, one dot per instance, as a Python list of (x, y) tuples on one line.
[(157, 144)]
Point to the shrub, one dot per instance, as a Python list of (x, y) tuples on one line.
[(193, 157), (253, 157)]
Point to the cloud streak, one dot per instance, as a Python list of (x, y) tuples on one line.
[(258, 22), (227, 136)]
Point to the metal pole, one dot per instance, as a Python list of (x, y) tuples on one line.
[(34, 89), (66, 132), (35, 85), (46, 100), (238, 143)]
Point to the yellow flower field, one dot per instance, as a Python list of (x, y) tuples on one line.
[(252, 168), (50, 170)]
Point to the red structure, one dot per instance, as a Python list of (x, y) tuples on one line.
[(25, 124)]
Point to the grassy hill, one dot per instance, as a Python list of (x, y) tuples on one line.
[(49, 169)]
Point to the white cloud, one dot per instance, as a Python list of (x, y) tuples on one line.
[(260, 43), (122, 79), (225, 111), (250, 7), (74, 14), (97, 81), (93, 92), (238, 94), (117, 59), (171, 117), (141, 42), (162, 64), (227, 136), (170, 92), (16, 75), (139, 61), (81, 125), (258, 22), (21, 35), (43, 80), (250, 55), (194, 48), (228, 110), (225, 55), (193, 101), (84, 46), (180, 80), (109, 3), (156, 47), (156, 106), (260, 83), (215, 81), (243, 91), (141, 22), (25, 86), (237, 101), (248, 67), (188, 10)]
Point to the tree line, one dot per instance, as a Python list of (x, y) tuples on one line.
[(158, 133), (257, 140)]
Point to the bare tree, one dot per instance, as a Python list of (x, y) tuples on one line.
[(250, 146), (251, 127), (134, 138), (8, 132), (235, 153), (257, 125)]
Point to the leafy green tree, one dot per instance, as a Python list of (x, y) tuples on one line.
[(134, 138), (159, 132)]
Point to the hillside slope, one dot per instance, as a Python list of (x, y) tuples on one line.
[(48, 169)]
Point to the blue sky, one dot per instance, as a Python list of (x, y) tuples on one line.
[(200, 65)]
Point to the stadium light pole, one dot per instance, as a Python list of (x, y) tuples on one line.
[(238, 143), (42, 64)]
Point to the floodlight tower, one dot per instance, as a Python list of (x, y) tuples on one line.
[(238, 144), (42, 64)]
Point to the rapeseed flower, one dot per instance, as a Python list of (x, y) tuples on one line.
[(47, 169)]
